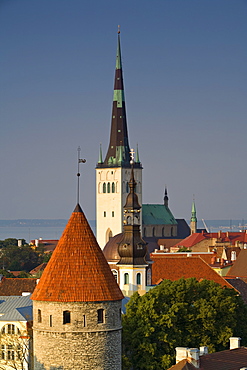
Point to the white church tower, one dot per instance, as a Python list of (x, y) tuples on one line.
[(113, 173)]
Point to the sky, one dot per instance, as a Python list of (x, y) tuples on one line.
[(185, 78)]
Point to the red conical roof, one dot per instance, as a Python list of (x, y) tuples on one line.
[(77, 270)]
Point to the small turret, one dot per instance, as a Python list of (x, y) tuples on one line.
[(193, 219), (166, 198)]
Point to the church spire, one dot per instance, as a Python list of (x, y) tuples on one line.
[(118, 150), (166, 198), (193, 219)]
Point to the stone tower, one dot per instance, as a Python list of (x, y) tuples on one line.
[(113, 173), (132, 249), (77, 305), (193, 219)]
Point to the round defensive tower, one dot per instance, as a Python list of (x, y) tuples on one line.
[(77, 305)]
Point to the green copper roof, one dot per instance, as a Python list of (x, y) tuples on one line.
[(100, 155), (157, 214), (193, 212)]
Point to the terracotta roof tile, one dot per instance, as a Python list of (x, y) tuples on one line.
[(77, 270), (16, 286), (174, 268)]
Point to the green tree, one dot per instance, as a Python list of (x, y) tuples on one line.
[(183, 313)]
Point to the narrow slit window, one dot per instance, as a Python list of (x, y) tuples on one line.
[(50, 320), (39, 316), (100, 316)]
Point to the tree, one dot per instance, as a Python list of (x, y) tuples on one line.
[(183, 313)]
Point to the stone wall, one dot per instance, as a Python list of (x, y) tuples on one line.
[(81, 344)]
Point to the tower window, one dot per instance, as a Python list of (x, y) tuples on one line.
[(104, 187), (100, 313), (104, 213), (127, 187), (113, 187), (138, 278), (50, 320), (39, 316), (66, 317), (126, 278), (84, 321), (112, 213), (108, 187)]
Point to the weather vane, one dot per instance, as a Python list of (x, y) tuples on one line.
[(78, 172)]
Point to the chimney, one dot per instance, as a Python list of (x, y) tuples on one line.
[(193, 357), (19, 242), (234, 342), (162, 247), (203, 350), (213, 260), (181, 353), (233, 256), (219, 234)]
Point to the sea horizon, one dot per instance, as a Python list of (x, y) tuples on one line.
[(30, 229)]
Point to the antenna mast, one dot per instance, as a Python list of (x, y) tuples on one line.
[(78, 172)]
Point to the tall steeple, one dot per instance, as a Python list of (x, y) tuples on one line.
[(193, 219), (119, 149), (113, 171)]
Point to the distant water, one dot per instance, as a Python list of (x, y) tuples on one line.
[(30, 231)]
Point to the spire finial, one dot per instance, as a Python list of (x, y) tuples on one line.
[(78, 173), (132, 156), (118, 29)]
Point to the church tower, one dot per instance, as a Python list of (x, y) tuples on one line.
[(113, 173), (132, 249), (193, 219), (77, 305)]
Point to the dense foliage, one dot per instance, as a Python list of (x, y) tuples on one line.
[(183, 313), (23, 258)]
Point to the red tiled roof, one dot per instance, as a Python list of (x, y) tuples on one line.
[(191, 240), (174, 268), (16, 286), (77, 270)]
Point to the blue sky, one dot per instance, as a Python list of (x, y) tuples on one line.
[(185, 68)]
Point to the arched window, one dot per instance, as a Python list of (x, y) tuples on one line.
[(163, 231), (108, 235), (153, 231), (126, 278), (171, 231), (144, 231), (113, 187), (66, 317), (10, 329), (127, 187), (100, 313), (108, 187), (138, 278), (104, 187)]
